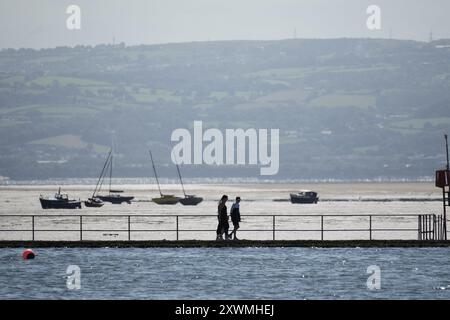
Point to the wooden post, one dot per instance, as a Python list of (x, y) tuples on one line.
[(32, 227), (418, 227), (321, 227), (177, 229), (445, 214), (129, 229), (81, 228), (431, 227), (439, 228), (424, 227), (370, 227), (273, 227), (446, 151), (434, 227), (436, 231), (424, 233)]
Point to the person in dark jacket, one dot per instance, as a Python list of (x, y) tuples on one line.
[(235, 217), (222, 216)]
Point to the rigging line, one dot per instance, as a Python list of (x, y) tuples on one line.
[(179, 174), (154, 170), (106, 170), (102, 173), (110, 173), (113, 147)]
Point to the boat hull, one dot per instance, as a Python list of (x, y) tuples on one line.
[(90, 203), (93, 205), (303, 200), (191, 201), (116, 199), (166, 200), (59, 204)]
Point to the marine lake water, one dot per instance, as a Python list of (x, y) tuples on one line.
[(233, 273)]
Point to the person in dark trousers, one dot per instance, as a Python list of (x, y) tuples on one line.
[(235, 217), (222, 216)]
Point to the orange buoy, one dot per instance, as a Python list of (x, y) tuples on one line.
[(28, 254)]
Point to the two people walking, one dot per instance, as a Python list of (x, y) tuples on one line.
[(223, 226)]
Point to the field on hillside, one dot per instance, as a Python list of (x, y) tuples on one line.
[(345, 108)]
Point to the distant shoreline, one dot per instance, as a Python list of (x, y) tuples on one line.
[(215, 180)]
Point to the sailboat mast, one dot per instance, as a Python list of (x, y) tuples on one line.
[(110, 173), (108, 163), (446, 149), (181, 180), (154, 170), (179, 173), (101, 174)]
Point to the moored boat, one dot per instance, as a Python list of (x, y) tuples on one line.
[(113, 196), (163, 199), (93, 203), (189, 199), (304, 196), (59, 201), (166, 199)]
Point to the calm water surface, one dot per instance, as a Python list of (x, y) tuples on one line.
[(257, 199)]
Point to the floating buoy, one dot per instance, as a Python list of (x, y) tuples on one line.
[(28, 254)]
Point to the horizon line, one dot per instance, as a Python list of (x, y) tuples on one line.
[(123, 43)]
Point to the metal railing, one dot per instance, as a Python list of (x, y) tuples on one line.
[(429, 227)]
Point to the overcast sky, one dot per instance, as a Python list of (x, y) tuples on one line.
[(42, 23)]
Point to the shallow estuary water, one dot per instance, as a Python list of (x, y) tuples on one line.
[(257, 210), (226, 273)]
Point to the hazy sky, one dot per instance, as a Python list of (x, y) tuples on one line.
[(42, 23)]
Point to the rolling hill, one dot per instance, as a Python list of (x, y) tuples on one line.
[(346, 108)]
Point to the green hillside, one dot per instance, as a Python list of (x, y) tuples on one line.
[(346, 108)]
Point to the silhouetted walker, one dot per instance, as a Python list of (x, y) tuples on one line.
[(235, 217), (222, 216)]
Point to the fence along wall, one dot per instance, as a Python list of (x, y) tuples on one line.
[(203, 227)]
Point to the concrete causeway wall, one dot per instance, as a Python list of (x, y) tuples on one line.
[(226, 244)]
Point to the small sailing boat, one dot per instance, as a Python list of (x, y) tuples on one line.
[(113, 196), (189, 199), (93, 201), (164, 198)]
